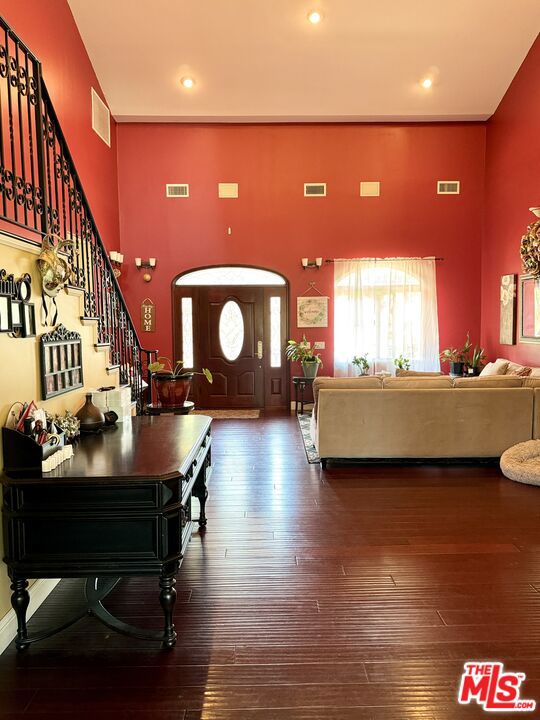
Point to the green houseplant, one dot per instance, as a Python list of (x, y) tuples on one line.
[(301, 352), (477, 361), (456, 358), (402, 363), (172, 382), (361, 364)]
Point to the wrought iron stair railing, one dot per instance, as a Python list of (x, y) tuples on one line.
[(41, 193)]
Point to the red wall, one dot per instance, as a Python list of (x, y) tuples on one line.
[(49, 30), (273, 225), (512, 186)]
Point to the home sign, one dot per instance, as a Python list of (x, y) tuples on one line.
[(148, 316)]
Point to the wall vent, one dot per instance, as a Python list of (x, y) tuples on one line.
[(177, 190), (314, 189), (448, 187), (370, 189), (101, 118), (228, 190)]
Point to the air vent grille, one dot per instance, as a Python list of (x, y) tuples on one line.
[(101, 118), (448, 187), (314, 189), (228, 190), (177, 190), (370, 189)]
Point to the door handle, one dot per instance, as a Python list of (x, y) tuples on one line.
[(259, 349)]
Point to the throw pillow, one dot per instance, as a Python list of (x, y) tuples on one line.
[(516, 369), (495, 368)]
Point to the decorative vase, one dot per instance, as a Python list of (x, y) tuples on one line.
[(456, 368), (171, 391), (310, 368), (90, 416)]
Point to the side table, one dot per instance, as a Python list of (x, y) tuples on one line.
[(300, 382)]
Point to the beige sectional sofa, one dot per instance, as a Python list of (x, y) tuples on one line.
[(423, 417)]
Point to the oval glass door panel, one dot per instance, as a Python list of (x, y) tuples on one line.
[(231, 330)]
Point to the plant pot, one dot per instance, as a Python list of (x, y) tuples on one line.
[(172, 391), (310, 368), (456, 368)]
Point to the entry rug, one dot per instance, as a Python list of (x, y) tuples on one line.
[(311, 452), (229, 414)]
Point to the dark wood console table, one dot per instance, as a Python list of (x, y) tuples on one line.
[(121, 506)]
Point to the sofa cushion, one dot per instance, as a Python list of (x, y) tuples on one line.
[(495, 368), (416, 373), (535, 372), (494, 381), (364, 382), (417, 383), (533, 382)]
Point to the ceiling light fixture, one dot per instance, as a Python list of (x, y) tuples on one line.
[(314, 17), (426, 83), (187, 82)]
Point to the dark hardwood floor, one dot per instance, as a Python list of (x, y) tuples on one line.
[(351, 594)]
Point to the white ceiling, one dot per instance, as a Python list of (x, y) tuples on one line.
[(261, 60)]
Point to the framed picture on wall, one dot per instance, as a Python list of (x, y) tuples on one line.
[(529, 301), (6, 319), (312, 312), (507, 318)]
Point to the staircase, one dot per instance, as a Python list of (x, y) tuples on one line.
[(41, 193)]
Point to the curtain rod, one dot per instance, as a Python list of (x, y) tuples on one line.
[(384, 259)]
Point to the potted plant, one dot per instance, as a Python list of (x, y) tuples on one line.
[(477, 361), (361, 364), (402, 363), (173, 383), (301, 352), (456, 358)]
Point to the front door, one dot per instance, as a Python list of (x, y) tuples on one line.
[(231, 339), (239, 333)]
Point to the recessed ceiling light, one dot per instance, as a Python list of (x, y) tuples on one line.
[(426, 83), (187, 82), (314, 17)]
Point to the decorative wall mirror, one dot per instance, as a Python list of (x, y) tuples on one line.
[(61, 362), (17, 315), (529, 302)]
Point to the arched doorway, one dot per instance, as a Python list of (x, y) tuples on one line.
[(233, 319)]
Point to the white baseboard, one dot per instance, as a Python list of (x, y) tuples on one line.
[(38, 593), (308, 406)]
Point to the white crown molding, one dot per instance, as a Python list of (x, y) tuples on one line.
[(19, 244)]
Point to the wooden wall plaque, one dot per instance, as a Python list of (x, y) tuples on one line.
[(148, 316)]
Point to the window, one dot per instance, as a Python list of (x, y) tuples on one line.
[(385, 308), (187, 331), (275, 332), (231, 275)]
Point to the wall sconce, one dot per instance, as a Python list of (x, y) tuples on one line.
[(116, 259), (307, 263), (150, 264)]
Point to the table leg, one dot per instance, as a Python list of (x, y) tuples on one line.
[(302, 388), (20, 599), (167, 599)]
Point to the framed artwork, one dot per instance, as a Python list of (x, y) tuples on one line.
[(61, 362), (529, 297), (507, 318), (28, 320), (6, 318), (312, 312)]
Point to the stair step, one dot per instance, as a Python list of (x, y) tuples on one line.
[(74, 290), (101, 347), (86, 320), (112, 368)]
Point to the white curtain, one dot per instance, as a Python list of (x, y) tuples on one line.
[(385, 308)]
